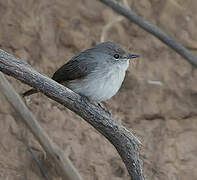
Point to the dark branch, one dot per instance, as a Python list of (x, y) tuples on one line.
[(125, 142), (133, 17)]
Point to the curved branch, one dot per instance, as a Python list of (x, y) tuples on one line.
[(125, 142), (133, 17)]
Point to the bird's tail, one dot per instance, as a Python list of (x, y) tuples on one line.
[(30, 92)]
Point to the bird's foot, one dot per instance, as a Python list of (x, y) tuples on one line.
[(87, 100), (104, 109)]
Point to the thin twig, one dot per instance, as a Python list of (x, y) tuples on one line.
[(64, 165), (124, 141), (108, 26), (39, 163), (133, 17), (115, 20)]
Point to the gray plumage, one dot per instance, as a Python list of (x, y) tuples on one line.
[(96, 73)]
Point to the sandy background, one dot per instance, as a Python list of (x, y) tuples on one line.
[(47, 33)]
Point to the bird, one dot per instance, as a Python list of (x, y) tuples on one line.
[(96, 73)]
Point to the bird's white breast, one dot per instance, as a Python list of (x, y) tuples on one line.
[(102, 84)]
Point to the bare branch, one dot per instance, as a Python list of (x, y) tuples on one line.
[(64, 165), (125, 142), (133, 17), (39, 163), (108, 26), (115, 20)]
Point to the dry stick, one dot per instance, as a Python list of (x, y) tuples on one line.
[(132, 16), (38, 162), (106, 28), (64, 165), (124, 141)]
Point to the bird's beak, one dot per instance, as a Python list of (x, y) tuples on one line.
[(131, 56)]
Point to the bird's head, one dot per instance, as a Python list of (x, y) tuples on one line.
[(115, 52)]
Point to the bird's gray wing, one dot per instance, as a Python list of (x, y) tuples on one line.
[(78, 67)]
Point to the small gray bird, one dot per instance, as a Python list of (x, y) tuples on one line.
[(95, 73)]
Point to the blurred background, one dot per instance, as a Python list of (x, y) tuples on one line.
[(157, 102)]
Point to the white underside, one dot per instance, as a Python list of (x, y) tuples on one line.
[(100, 85)]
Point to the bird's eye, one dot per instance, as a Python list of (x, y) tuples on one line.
[(116, 56)]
